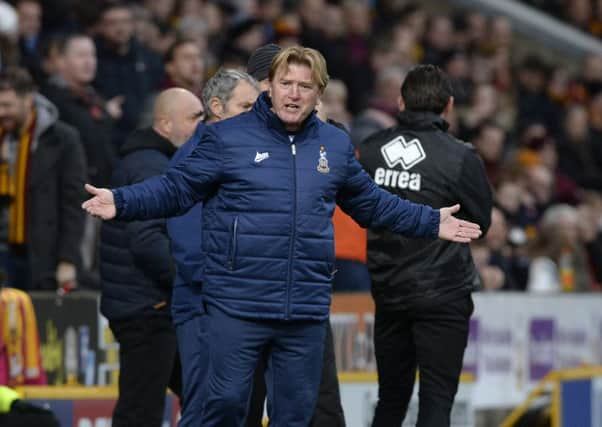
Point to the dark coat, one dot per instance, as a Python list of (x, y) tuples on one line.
[(419, 161), (86, 112), (136, 267), (55, 194), (267, 220), (134, 75), (185, 234)]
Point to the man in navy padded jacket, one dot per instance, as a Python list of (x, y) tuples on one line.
[(226, 94), (270, 179)]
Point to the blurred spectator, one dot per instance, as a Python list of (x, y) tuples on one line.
[(334, 103), (125, 68), (242, 39), (580, 156), (9, 21), (483, 108), (162, 12), (146, 29), (194, 29), (579, 13), (9, 54), (184, 67), (42, 172), (71, 91), (516, 204), (590, 232), (533, 103), (439, 40), (493, 256), (559, 261), (457, 66), (540, 186), (591, 76), (50, 56), (30, 27), (383, 107), (501, 33), (489, 142)]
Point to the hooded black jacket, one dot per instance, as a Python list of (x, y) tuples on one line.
[(136, 267), (419, 161)]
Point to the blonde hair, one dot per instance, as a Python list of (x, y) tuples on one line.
[(302, 55)]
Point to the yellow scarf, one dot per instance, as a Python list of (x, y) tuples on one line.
[(19, 332), (14, 185)]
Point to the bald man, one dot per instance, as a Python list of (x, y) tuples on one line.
[(137, 272)]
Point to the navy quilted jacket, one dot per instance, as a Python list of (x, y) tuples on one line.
[(267, 229), (185, 234)]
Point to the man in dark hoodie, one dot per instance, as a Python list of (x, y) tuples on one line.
[(137, 271)]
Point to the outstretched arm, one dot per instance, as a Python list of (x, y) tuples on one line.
[(102, 204), (372, 206), (162, 196), (454, 229)]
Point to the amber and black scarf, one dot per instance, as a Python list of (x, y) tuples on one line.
[(13, 182)]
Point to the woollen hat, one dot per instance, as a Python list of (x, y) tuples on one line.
[(261, 60)]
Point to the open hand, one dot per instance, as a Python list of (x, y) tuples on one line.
[(102, 205), (454, 229)]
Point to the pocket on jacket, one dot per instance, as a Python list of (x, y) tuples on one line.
[(233, 244)]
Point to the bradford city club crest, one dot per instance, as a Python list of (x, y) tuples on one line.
[(323, 162)]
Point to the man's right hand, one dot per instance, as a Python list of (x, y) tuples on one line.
[(102, 205)]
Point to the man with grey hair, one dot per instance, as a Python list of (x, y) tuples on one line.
[(226, 94)]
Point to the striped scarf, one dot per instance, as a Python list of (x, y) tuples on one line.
[(20, 355), (13, 182)]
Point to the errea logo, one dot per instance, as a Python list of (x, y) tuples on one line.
[(405, 153)]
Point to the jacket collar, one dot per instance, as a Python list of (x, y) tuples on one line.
[(421, 120), (147, 139), (263, 109)]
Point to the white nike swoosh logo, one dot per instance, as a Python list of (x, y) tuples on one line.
[(260, 157)]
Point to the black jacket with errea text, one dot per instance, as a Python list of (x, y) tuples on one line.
[(419, 161)]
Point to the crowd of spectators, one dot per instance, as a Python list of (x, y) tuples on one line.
[(583, 14), (537, 127)]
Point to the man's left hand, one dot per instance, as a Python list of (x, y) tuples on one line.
[(454, 229)]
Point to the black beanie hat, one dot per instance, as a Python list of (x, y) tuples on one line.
[(261, 60)]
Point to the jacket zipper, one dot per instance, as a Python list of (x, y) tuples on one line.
[(233, 244), (287, 314)]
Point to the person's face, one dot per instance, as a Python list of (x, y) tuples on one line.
[(79, 61), (242, 99), (509, 196), (187, 65), (184, 118), (160, 8), (117, 26), (13, 110), (576, 125), (30, 18), (441, 33), (541, 183), (294, 94), (491, 143)]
